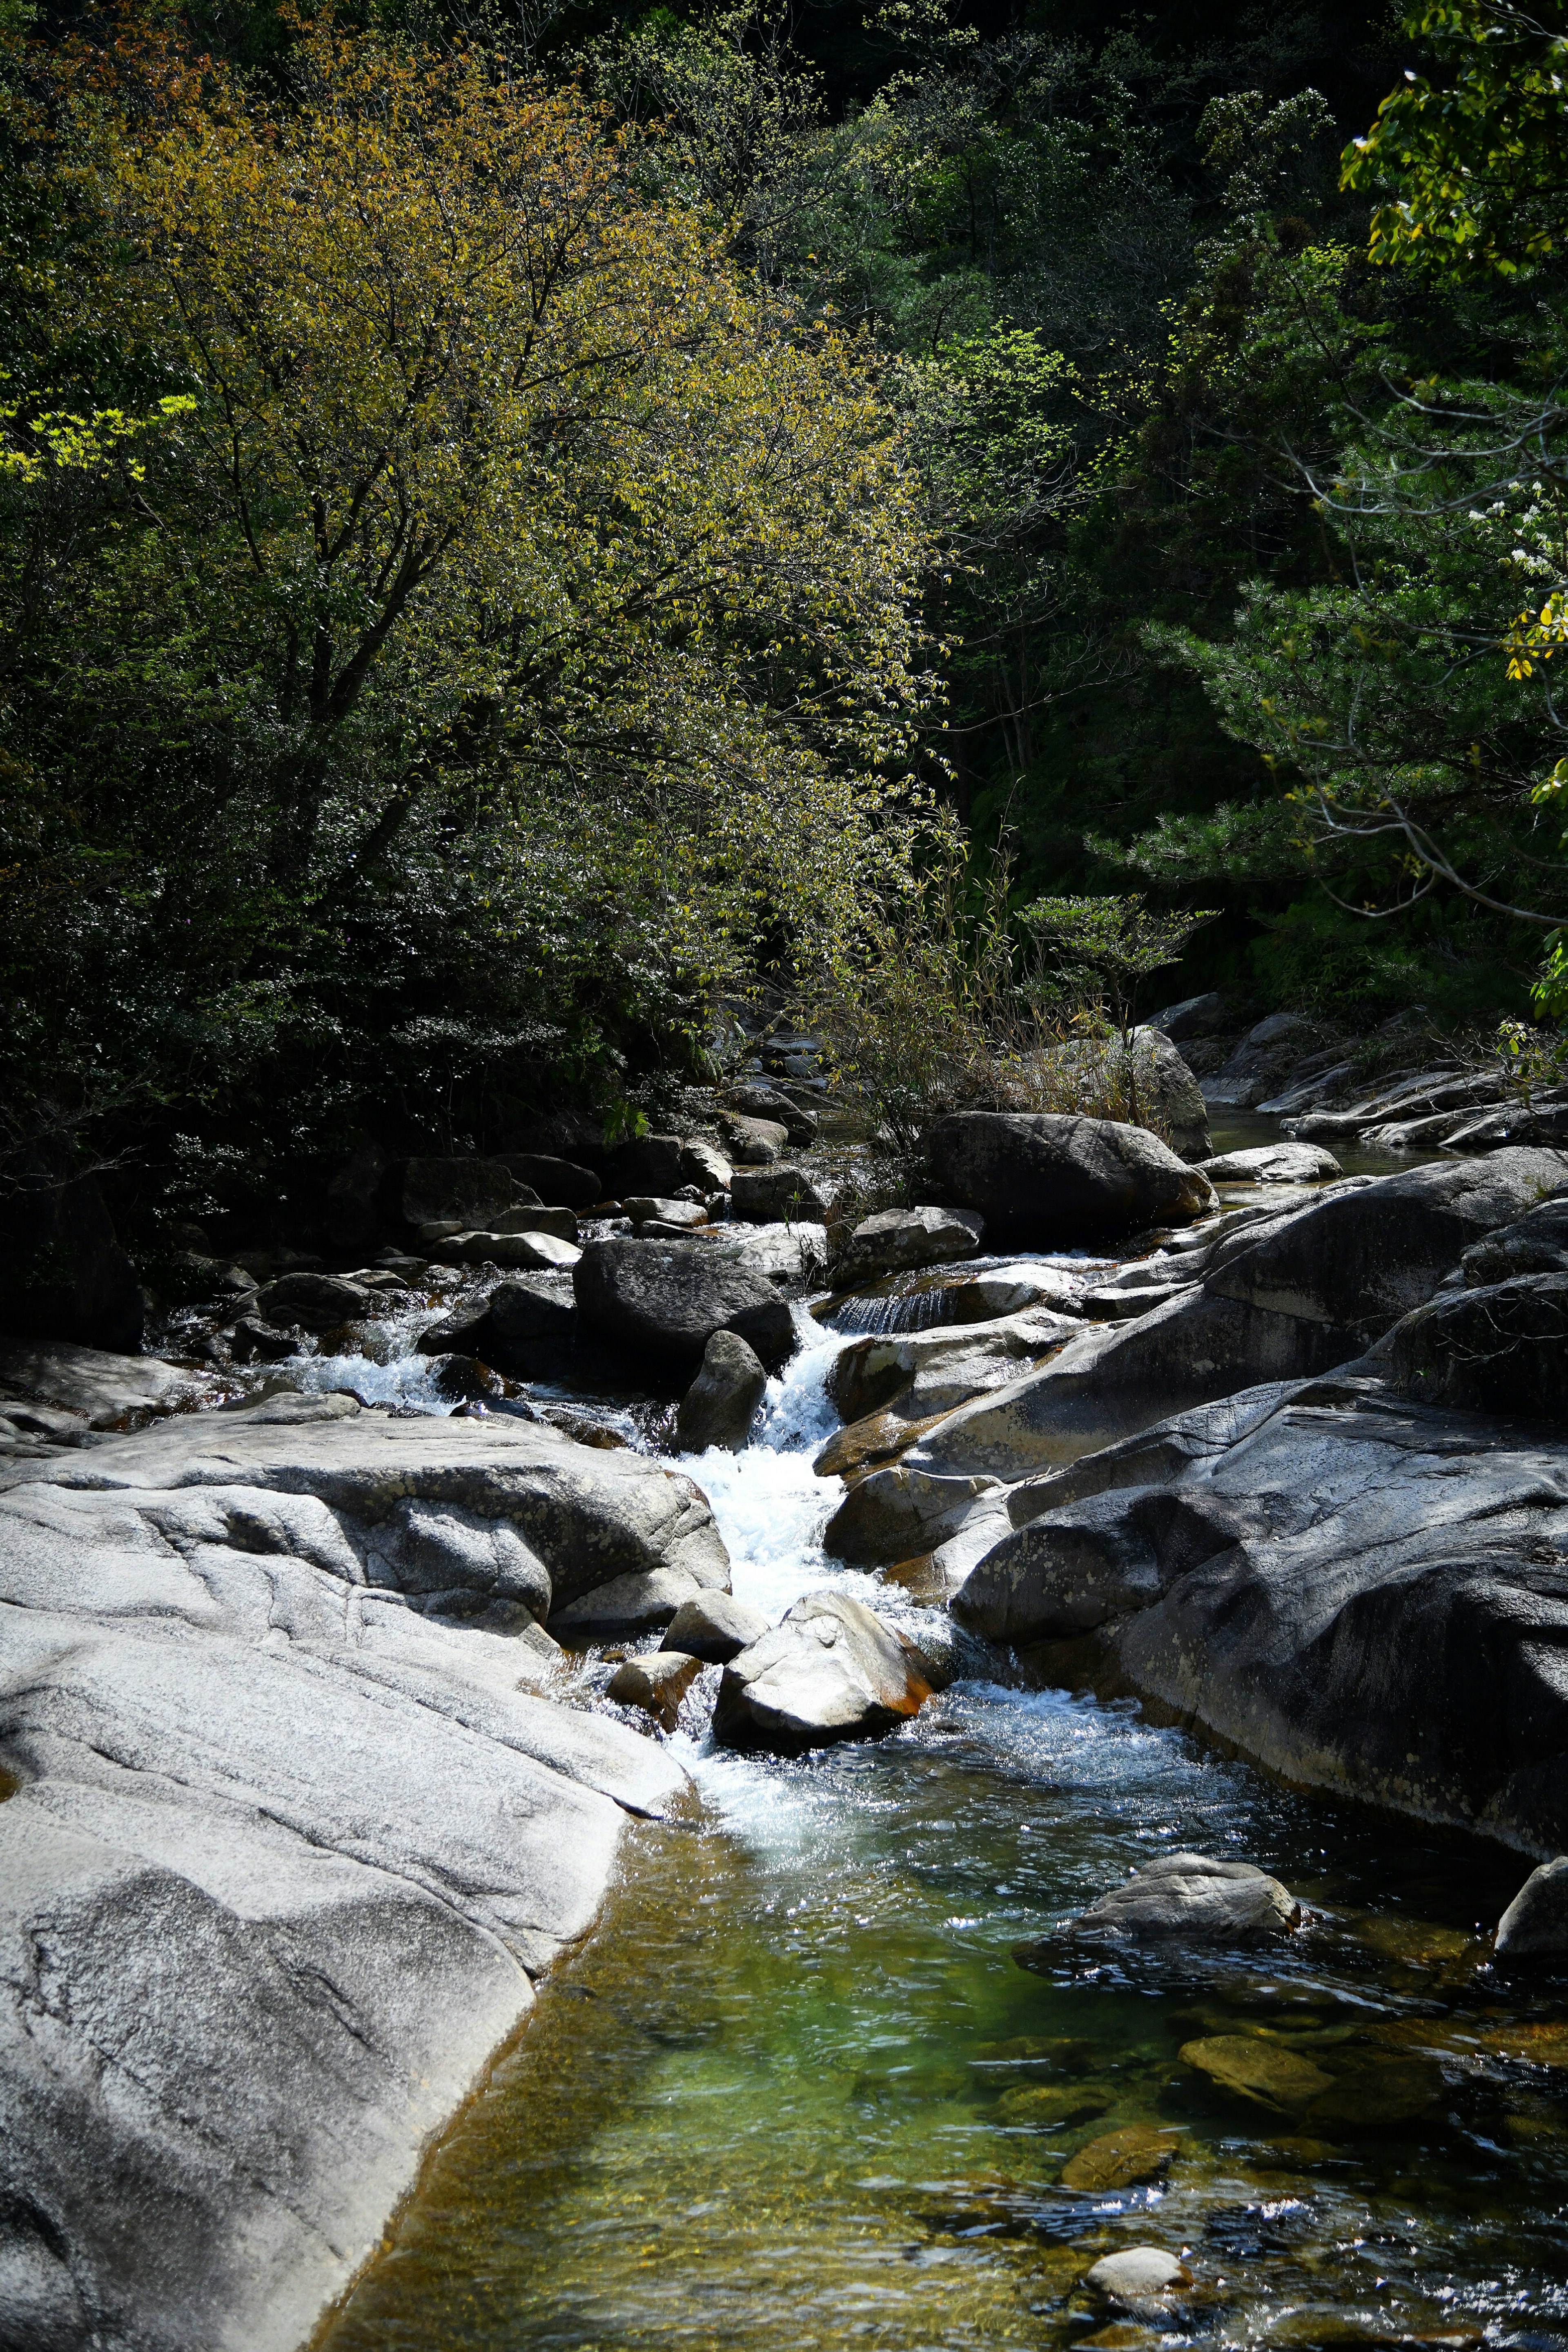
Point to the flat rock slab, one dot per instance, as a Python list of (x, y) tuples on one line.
[(285, 1858), (830, 1670), (1272, 1163), (101, 1388)]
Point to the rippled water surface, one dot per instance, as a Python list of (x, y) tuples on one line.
[(796, 2091)]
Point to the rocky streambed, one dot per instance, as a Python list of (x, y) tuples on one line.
[(387, 1928)]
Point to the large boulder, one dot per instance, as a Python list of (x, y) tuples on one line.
[(559, 1183), (664, 1300), (1366, 1596), (721, 1404), (289, 1855), (1195, 1016), (898, 1514), (896, 1241), (1502, 1349), (1265, 1055), (63, 1274), (1044, 1180), (1536, 1242), (648, 1164), (463, 1192), (830, 1670), (753, 1143), (620, 1537)]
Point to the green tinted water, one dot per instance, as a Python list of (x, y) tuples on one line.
[(796, 2091)]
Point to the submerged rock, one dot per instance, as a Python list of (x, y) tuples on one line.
[(1261, 2073), (1123, 2160), (1136, 2272), (830, 1670), (666, 1299), (1044, 1181), (722, 1403)]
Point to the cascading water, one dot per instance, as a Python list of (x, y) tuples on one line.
[(795, 2091)]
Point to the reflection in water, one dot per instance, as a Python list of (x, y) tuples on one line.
[(795, 2091)]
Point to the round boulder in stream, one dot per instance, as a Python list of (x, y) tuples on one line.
[(1044, 1179), (666, 1299), (1193, 1898), (830, 1670), (721, 1404)]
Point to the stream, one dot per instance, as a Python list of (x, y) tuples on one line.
[(795, 2091)]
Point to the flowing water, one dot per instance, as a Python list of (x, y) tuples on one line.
[(796, 2091)]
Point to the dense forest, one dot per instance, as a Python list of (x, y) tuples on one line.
[(522, 529)]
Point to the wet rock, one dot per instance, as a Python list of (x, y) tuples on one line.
[(759, 1101), (929, 1372), (1125, 2159), (703, 1165), (535, 1218), (722, 1403), (830, 1670), (252, 1341), (1273, 1163), (1377, 2093), (893, 1514), (1261, 2073), (1195, 1898), (1195, 1016), (535, 1250), (1043, 1180), (63, 1273), (317, 1302), (657, 1683), (101, 1387), (460, 1378), (897, 1239), (644, 1208), (1137, 2273), (1502, 1349), (312, 1785), (715, 1627), (462, 1191), (664, 1300), (866, 1444), (753, 1143), (1366, 1596), (1535, 1925), (559, 1183)]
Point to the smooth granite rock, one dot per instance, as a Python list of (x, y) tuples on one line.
[(715, 1627), (102, 1387), (830, 1670), (896, 1240), (286, 1856)]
